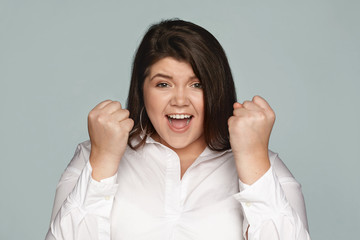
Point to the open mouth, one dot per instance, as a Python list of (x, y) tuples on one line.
[(179, 120)]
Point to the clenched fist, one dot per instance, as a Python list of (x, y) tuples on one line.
[(249, 129), (109, 126)]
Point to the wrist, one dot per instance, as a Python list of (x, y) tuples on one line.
[(252, 166), (103, 166)]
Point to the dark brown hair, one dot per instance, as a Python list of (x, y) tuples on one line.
[(191, 43)]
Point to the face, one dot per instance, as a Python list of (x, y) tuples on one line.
[(174, 102)]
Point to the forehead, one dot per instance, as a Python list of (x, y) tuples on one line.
[(172, 67)]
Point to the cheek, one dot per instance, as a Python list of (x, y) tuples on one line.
[(154, 104), (199, 105)]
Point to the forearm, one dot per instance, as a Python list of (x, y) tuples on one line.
[(267, 211), (86, 210)]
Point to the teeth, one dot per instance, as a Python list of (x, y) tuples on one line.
[(179, 116)]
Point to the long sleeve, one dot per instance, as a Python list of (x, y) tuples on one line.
[(274, 206), (201, 207), (82, 205)]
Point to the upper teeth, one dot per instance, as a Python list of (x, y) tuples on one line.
[(179, 116)]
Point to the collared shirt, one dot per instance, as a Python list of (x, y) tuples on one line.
[(148, 199)]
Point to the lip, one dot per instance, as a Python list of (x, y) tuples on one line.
[(179, 130)]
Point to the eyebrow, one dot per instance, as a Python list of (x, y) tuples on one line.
[(167, 76), (161, 75)]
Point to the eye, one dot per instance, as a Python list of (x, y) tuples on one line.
[(197, 85), (162, 85)]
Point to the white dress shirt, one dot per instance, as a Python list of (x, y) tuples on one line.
[(148, 199)]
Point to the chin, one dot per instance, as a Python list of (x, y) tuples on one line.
[(175, 144), (180, 142), (178, 146)]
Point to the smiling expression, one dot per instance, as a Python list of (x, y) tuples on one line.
[(174, 102)]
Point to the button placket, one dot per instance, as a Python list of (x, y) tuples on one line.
[(183, 190), (172, 186)]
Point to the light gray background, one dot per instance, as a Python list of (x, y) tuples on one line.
[(58, 59)]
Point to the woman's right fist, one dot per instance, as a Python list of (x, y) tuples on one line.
[(109, 126)]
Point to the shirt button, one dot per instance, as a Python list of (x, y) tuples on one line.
[(107, 197), (248, 204)]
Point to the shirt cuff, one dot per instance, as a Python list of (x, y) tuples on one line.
[(92, 196), (262, 201)]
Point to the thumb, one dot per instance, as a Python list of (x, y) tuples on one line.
[(237, 105)]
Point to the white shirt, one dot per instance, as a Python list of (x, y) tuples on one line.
[(147, 199)]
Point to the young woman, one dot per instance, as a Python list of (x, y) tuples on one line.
[(184, 160)]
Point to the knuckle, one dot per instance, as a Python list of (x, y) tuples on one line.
[(125, 126), (126, 112), (235, 122), (102, 118), (260, 115), (257, 98), (272, 115), (130, 122), (117, 104), (91, 114)]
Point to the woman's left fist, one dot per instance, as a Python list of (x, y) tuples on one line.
[(249, 129)]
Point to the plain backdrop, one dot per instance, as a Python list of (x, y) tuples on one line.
[(58, 59)]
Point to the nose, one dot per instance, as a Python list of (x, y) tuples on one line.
[(179, 97)]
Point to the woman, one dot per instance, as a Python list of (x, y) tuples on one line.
[(184, 160)]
